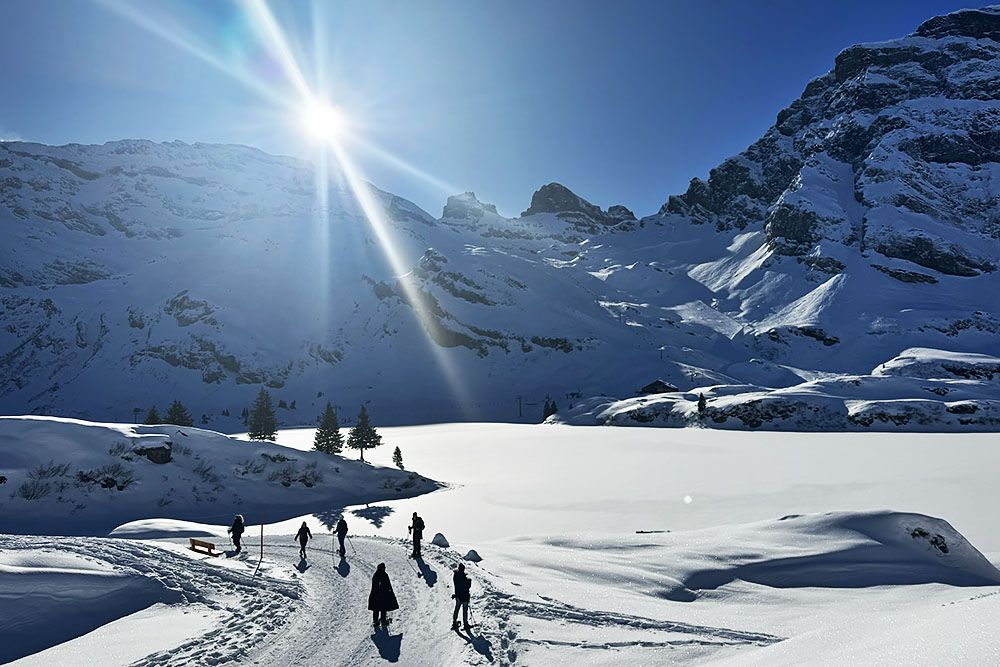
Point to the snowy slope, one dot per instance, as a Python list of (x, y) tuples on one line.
[(862, 224), (68, 477)]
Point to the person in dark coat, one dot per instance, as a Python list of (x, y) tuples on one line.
[(417, 528), (341, 534), (381, 600), (236, 530), (463, 587), (303, 536)]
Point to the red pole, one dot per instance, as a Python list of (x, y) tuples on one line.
[(261, 544)]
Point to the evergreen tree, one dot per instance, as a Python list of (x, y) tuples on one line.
[(701, 403), (245, 417), (263, 422), (177, 414), (363, 435), (204, 419), (397, 458), (282, 404), (153, 417), (328, 437)]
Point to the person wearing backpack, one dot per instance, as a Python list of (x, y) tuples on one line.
[(463, 587), (236, 530), (417, 528), (341, 534)]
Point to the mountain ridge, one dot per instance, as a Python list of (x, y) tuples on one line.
[(863, 223)]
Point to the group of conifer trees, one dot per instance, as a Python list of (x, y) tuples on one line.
[(362, 435), (262, 424)]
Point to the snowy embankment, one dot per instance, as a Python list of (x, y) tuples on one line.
[(136, 600), (919, 390), (70, 477)]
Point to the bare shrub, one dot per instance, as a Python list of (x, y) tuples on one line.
[(206, 471), (284, 475), (311, 475), (33, 489)]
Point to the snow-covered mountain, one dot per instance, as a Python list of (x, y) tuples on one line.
[(864, 223)]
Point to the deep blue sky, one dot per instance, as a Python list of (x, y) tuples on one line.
[(623, 101)]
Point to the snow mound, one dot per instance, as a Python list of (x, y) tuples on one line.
[(831, 550), (49, 598), (473, 556), (153, 529), (921, 362), (440, 540), (70, 477)]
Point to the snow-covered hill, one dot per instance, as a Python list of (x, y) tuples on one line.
[(68, 477), (864, 223)]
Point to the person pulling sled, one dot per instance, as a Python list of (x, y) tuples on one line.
[(417, 529), (463, 588), (381, 600), (303, 536)]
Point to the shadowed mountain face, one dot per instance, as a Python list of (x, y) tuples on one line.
[(865, 222)]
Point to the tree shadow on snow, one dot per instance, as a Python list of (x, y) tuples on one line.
[(377, 515), (388, 646), (302, 566), (343, 568), (480, 644), (329, 518), (429, 575)]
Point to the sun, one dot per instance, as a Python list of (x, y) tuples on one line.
[(323, 122)]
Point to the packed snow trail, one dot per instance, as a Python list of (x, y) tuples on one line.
[(332, 624)]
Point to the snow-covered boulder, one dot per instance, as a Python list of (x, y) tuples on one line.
[(440, 541), (472, 556)]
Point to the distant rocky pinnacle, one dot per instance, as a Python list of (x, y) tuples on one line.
[(560, 200)]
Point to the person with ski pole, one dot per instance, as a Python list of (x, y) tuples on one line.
[(417, 529), (303, 536), (463, 587), (236, 530), (381, 600), (341, 534)]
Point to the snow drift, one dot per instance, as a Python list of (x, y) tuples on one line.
[(832, 550), (69, 477)]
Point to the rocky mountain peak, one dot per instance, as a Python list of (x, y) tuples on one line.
[(466, 207), (557, 199), (975, 23)]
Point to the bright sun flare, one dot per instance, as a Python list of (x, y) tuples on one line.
[(323, 122)]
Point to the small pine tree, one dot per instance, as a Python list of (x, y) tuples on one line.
[(204, 419), (397, 458), (177, 414), (245, 418), (702, 403), (291, 406), (328, 436), (363, 435), (225, 413), (282, 404), (153, 417), (263, 422)]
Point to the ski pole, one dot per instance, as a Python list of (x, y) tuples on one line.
[(352, 545)]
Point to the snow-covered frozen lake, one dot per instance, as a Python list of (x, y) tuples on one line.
[(513, 480)]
